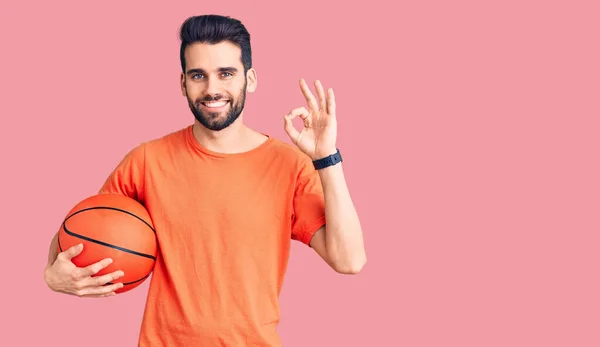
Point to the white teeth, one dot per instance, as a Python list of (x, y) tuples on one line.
[(215, 103)]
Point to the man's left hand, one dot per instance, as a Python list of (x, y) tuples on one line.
[(318, 137)]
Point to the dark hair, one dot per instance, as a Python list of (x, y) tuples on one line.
[(213, 29)]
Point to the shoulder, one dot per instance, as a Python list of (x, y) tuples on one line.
[(159, 144), (177, 135), (139, 153), (289, 153), (290, 156)]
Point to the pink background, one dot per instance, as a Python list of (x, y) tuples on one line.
[(469, 132)]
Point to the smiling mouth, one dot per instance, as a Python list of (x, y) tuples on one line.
[(215, 104)]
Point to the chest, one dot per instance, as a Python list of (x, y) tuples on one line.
[(220, 199)]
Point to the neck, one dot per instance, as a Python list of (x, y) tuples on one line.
[(236, 138)]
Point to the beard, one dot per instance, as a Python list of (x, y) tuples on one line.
[(214, 120)]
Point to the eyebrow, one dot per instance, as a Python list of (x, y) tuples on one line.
[(221, 69)]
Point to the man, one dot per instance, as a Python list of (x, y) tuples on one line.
[(226, 201)]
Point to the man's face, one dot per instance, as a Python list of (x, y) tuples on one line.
[(214, 83)]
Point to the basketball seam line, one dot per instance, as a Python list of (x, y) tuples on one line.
[(114, 209), (106, 244), (130, 283), (125, 284)]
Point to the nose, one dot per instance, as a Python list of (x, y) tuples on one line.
[(213, 87)]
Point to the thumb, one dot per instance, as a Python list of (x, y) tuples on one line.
[(289, 128), (73, 251)]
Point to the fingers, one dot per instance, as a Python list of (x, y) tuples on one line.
[(303, 114), (97, 287), (290, 129), (105, 290), (310, 99), (93, 268), (330, 102), (72, 252), (325, 102), (102, 280), (321, 95), (98, 295), (288, 126)]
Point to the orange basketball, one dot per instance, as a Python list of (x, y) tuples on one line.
[(112, 226)]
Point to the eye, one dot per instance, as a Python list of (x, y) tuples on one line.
[(227, 74), (197, 76)]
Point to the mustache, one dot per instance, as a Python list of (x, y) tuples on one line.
[(209, 98)]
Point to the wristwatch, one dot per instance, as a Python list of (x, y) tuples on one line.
[(328, 161)]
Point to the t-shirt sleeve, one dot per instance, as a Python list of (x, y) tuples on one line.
[(128, 177), (309, 203)]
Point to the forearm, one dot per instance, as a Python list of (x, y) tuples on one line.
[(343, 236), (53, 251)]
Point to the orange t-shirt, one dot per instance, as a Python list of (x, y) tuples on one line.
[(224, 224)]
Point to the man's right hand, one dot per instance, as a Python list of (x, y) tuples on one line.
[(65, 277)]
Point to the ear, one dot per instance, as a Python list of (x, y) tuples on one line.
[(182, 84), (252, 80)]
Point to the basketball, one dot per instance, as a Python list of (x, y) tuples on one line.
[(112, 226)]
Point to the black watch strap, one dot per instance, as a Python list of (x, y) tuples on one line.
[(328, 161)]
